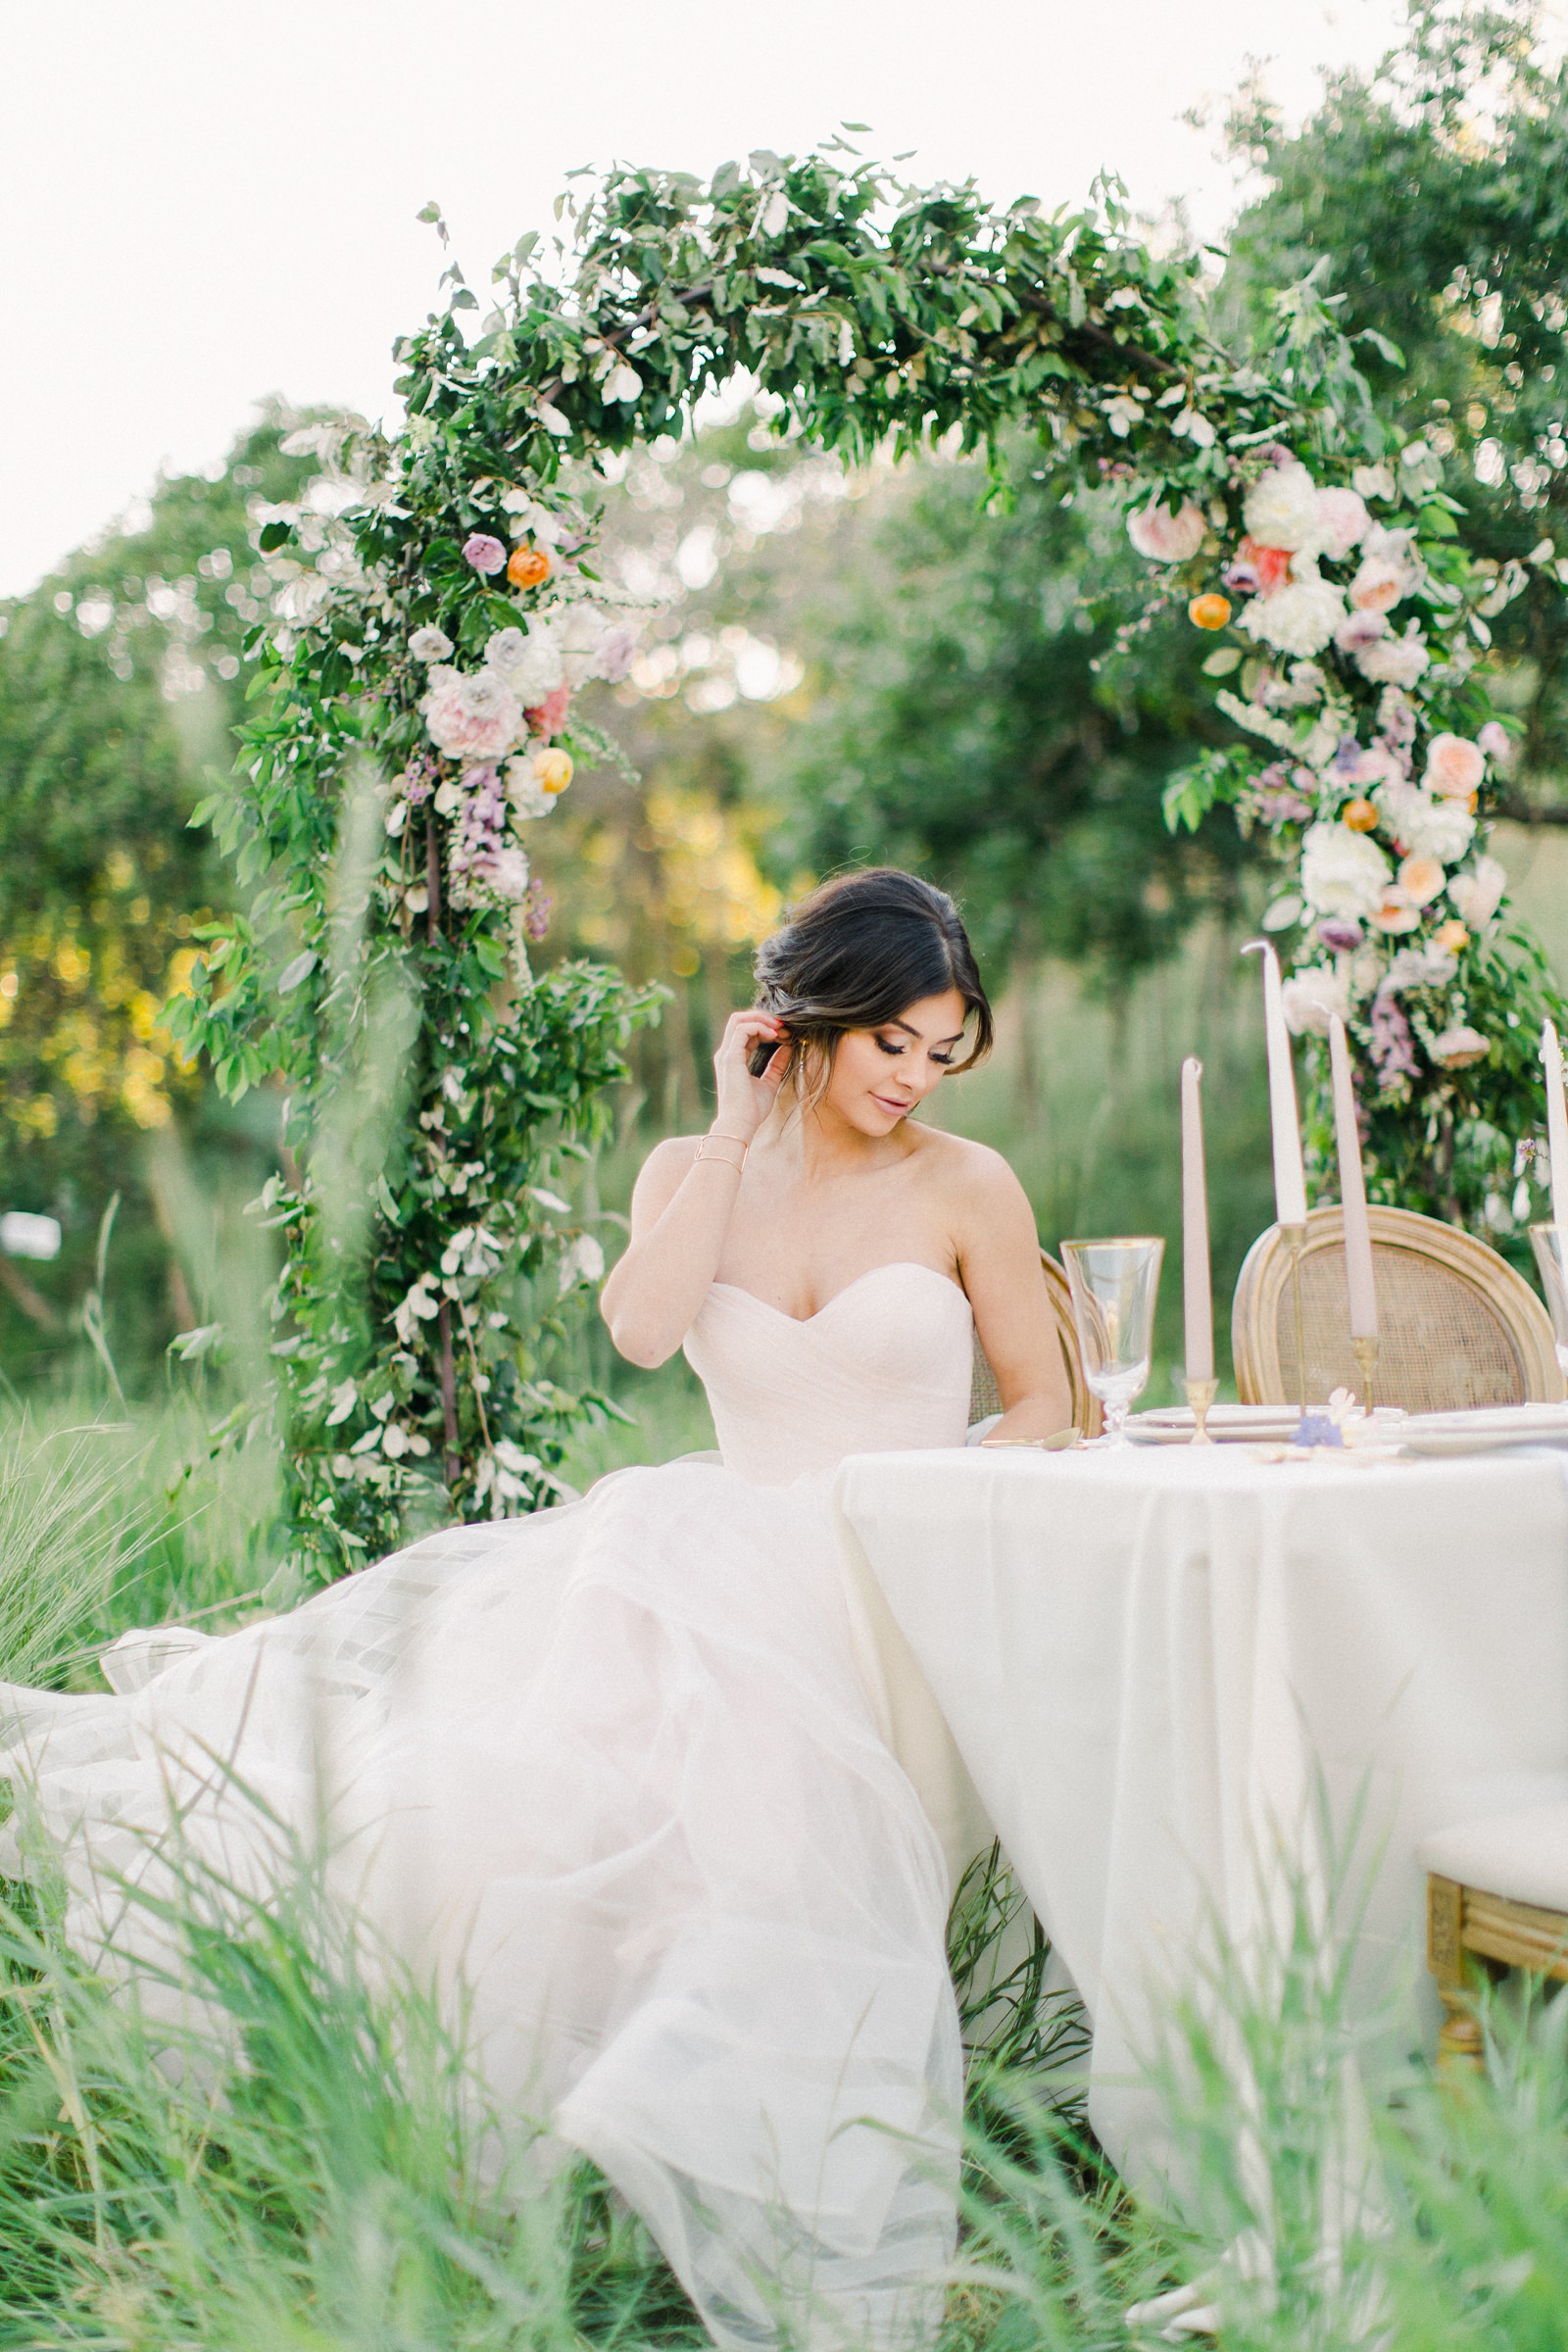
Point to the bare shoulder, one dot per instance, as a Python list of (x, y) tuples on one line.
[(970, 1172), (660, 1175)]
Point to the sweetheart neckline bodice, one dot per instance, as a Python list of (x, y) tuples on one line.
[(883, 1365), (891, 1265)]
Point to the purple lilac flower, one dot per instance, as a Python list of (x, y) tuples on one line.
[(1392, 1046), (537, 907), (417, 780), (1339, 934), (482, 863)]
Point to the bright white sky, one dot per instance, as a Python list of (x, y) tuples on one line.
[(205, 203)]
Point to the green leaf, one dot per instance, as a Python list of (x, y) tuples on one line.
[(273, 535)]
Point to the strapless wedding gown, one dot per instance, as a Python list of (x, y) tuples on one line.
[(620, 1779)]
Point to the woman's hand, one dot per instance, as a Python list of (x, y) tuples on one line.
[(744, 1102)]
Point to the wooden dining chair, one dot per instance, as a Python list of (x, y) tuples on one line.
[(1459, 1326), (985, 1398), (1497, 1897)]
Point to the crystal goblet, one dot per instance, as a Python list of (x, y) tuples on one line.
[(1114, 1285), (1551, 1246)]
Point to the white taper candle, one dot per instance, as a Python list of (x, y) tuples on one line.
[(1556, 1124), (1196, 1297), (1352, 1190), (1290, 1175)]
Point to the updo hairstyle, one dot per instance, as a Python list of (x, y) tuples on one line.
[(857, 955)]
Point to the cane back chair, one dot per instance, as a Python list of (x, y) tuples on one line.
[(985, 1398), (1459, 1326), (1497, 1898)]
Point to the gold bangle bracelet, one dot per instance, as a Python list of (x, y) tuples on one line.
[(702, 1151)]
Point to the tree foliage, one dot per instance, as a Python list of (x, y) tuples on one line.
[(381, 971)]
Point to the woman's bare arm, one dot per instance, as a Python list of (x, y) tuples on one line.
[(999, 1258), (682, 1205)]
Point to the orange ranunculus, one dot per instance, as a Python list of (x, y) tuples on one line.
[(552, 770), (1209, 611), (1359, 815), (1452, 935), (528, 566)]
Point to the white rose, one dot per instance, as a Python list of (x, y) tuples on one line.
[(525, 792), (1425, 827), (1166, 538), (1394, 660), (531, 665), (1282, 507), (1341, 872), (1299, 618), (1310, 998), (1374, 481), (1343, 522), (1478, 894), (473, 719), (429, 644)]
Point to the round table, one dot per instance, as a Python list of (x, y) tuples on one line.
[(1166, 1668)]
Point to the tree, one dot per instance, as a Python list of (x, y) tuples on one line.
[(120, 693), (421, 713), (1431, 196)]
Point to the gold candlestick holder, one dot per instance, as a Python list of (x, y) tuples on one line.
[(1201, 1395), (1294, 1238), (1366, 1353)]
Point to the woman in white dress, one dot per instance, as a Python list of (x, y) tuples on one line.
[(623, 1775)]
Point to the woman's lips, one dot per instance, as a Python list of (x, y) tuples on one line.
[(898, 1109)]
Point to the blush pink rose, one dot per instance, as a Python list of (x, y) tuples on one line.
[(1163, 537), (1455, 766), (1343, 519), (473, 719), (485, 553)]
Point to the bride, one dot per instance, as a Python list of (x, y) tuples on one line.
[(623, 1776)]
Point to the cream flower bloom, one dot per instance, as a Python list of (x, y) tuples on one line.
[(1161, 537), (1282, 507), (1313, 996), (1421, 878), (1455, 766), (1394, 660), (1423, 825), (1479, 892), (1457, 1048), (1343, 522), (1341, 872), (533, 665), (1299, 618)]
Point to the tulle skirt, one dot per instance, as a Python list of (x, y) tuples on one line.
[(618, 1779)]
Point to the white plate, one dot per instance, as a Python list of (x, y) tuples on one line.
[(1489, 1429), (1228, 1424)]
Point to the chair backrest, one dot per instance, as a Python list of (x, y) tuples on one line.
[(983, 1397), (1459, 1327)]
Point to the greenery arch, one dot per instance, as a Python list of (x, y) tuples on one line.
[(438, 606)]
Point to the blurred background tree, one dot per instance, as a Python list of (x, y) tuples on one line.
[(120, 684)]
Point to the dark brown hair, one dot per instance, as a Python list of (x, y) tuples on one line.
[(857, 955)]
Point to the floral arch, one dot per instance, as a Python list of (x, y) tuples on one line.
[(418, 717)]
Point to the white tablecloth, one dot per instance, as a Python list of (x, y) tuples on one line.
[(1147, 1657)]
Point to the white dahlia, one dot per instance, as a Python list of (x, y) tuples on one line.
[(1298, 618), (1282, 507), (1343, 872)]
